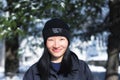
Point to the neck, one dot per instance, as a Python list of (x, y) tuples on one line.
[(56, 60)]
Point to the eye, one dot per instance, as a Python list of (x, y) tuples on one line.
[(50, 39), (62, 39)]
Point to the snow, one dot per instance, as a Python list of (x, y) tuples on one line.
[(97, 68), (102, 57)]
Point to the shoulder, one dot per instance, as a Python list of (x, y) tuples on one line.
[(77, 60), (32, 71), (80, 62), (83, 63), (85, 69), (33, 68)]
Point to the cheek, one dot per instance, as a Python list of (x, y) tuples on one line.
[(48, 44), (65, 44)]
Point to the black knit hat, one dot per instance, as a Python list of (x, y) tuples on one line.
[(56, 27)]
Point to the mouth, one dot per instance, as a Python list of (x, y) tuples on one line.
[(56, 50)]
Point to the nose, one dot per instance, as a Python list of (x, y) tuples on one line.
[(56, 44)]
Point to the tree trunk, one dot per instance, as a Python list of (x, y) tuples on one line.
[(113, 41), (113, 59), (11, 58)]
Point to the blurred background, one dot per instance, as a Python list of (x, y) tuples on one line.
[(94, 25)]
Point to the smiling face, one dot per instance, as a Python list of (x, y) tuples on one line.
[(57, 46)]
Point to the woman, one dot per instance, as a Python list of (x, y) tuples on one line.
[(57, 61)]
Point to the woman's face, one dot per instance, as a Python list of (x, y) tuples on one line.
[(57, 46)]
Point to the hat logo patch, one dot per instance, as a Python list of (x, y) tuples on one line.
[(57, 30)]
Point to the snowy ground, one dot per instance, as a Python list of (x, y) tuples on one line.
[(98, 72)]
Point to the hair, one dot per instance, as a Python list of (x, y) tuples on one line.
[(44, 64)]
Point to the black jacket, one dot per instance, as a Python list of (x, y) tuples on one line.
[(80, 71)]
